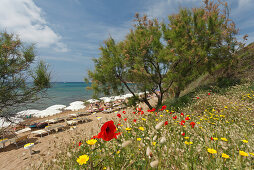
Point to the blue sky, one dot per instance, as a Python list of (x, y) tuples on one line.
[(68, 33)]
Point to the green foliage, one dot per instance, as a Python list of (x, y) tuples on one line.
[(15, 72), (198, 41), (132, 101)]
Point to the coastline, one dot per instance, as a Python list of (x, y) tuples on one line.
[(50, 145)]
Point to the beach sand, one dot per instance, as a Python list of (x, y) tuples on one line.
[(48, 146)]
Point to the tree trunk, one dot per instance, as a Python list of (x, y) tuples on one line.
[(159, 103), (147, 103), (177, 94)]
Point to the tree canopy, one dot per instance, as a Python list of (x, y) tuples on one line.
[(167, 57), (16, 70)]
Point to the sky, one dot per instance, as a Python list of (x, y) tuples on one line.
[(68, 33)]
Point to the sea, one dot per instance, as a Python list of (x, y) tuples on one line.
[(62, 93)]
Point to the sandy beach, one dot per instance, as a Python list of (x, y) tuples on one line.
[(47, 146)]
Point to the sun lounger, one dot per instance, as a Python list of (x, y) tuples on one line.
[(54, 127), (108, 111), (81, 119), (72, 122), (19, 139), (52, 121), (2, 142), (23, 130), (40, 132)]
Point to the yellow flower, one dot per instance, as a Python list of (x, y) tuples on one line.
[(156, 119), (223, 155), (167, 110), (143, 119), (141, 128), (118, 152), (251, 153), (224, 139), (186, 137), (91, 142), (212, 151), (215, 138), (222, 115), (188, 143), (138, 139), (225, 107), (104, 168), (161, 115), (244, 141), (121, 125), (198, 122), (243, 153), (127, 128), (83, 159), (154, 143)]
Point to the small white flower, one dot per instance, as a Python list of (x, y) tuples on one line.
[(154, 163), (126, 143), (159, 125), (155, 137)]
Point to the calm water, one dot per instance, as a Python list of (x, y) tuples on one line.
[(63, 93)]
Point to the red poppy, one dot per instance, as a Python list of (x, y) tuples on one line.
[(182, 114), (135, 120), (166, 123), (134, 112), (174, 117), (142, 112), (164, 107), (183, 134), (125, 119), (197, 97), (187, 118), (80, 143), (119, 115), (151, 110), (118, 124), (209, 94), (139, 109), (182, 122), (124, 112), (108, 131), (192, 124), (170, 112), (211, 138)]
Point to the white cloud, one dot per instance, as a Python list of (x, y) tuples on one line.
[(24, 18)]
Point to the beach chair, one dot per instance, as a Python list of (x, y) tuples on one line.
[(3, 141), (108, 110), (81, 119), (19, 139), (40, 132), (72, 122)]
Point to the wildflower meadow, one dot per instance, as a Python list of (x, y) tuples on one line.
[(214, 132)]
